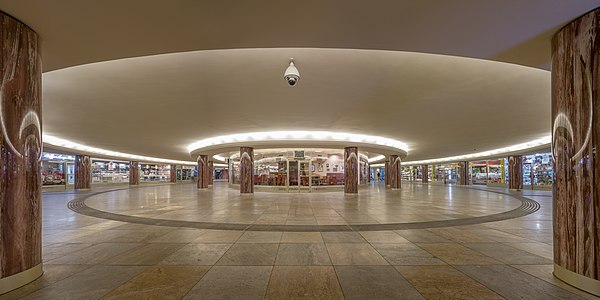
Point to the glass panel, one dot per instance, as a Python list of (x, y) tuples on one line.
[(109, 171), (542, 169), (70, 173), (235, 172), (270, 172), (293, 173), (53, 172), (494, 171), (154, 173), (479, 172)]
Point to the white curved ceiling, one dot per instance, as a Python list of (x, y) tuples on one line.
[(155, 106)]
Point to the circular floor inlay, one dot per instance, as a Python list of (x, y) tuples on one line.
[(221, 208)]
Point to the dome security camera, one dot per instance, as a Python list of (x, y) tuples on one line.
[(291, 75)]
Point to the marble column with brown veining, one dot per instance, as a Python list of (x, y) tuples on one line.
[(134, 173), (463, 170), (351, 166), (173, 174), (387, 173), (246, 170), (515, 172), (425, 173), (211, 173), (395, 172), (20, 151), (83, 172), (203, 170), (575, 145)]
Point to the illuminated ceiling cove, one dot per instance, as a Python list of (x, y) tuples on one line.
[(147, 88)]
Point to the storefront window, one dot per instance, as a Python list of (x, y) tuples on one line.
[(185, 173), (234, 166), (107, 171), (364, 170), (487, 171), (221, 173), (537, 169), (155, 173), (57, 169)]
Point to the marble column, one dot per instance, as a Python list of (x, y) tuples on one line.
[(134, 173), (575, 142), (425, 173), (386, 177), (20, 151), (351, 166), (463, 169), (173, 174), (246, 170), (515, 172), (203, 170), (83, 172), (211, 173), (395, 172)]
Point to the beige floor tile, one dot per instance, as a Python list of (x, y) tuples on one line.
[(304, 282), (545, 272), (302, 237), (456, 254), (250, 255), (95, 254), (374, 282), (219, 236), (160, 282), (406, 254), (354, 254), (147, 254), (445, 282), (260, 237), (232, 282), (302, 255), (343, 237), (196, 255), (383, 237)]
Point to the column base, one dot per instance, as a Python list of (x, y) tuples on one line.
[(579, 281), (18, 280)]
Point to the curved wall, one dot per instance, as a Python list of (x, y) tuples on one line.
[(20, 151), (575, 144)]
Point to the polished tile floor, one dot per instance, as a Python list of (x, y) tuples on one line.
[(92, 258)]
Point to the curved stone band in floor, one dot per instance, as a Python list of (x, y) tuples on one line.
[(527, 207)]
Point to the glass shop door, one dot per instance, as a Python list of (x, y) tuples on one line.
[(293, 180), (70, 182), (305, 176)]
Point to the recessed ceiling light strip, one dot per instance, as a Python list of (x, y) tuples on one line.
[(58, 142), (545, 141)]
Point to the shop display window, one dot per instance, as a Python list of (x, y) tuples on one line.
[(57, 169), (221, 174), (487, 171), (107, 171), (185, 173), (364, 170), (155, 173), (447, 173), (234, 170), (537, 169)]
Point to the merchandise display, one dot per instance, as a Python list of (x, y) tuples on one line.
[(185, 173), (487, 171), (154, 173), (537, 169), (105, 171), (57, 169)]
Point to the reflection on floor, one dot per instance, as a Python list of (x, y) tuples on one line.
[(92, 258)]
